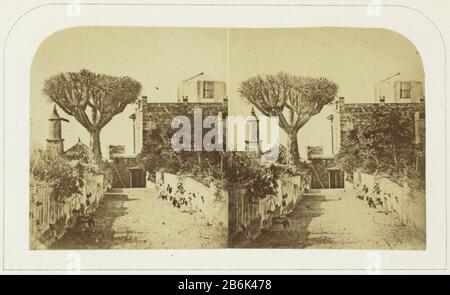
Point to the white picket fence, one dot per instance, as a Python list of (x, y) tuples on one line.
[(47, 213), (249, 213)]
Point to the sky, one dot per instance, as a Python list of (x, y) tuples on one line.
[(356, 59)]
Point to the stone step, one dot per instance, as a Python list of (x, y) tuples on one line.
[(308, 194), (313, 191), (115, 196), (137, 189), (115, 190), (326, 191), (306, 197)]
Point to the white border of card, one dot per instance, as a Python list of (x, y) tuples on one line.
[(34, 26)]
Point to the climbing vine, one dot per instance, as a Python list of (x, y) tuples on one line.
[(382, 143)]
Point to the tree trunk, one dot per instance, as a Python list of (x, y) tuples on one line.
[(293, 148), (95, 145)]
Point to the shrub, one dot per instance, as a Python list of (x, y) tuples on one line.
[(52, 169), (383, 143)]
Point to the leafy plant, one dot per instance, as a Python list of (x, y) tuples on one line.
[(382, 143), (52, 169), (246, 171), (157, 153)]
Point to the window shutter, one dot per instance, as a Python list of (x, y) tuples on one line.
[(199, 90), (398, 90)]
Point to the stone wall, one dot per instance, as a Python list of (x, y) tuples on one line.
[(161, 114), (353, 114)]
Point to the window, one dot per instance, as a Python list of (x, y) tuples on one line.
[(208, 89), (405, 90)]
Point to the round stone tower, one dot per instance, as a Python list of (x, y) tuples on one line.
[(55, 142)]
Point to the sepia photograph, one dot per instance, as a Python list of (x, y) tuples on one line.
[(213, 138)]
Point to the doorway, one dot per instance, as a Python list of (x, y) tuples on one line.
[(336, 178), (137, 177)]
